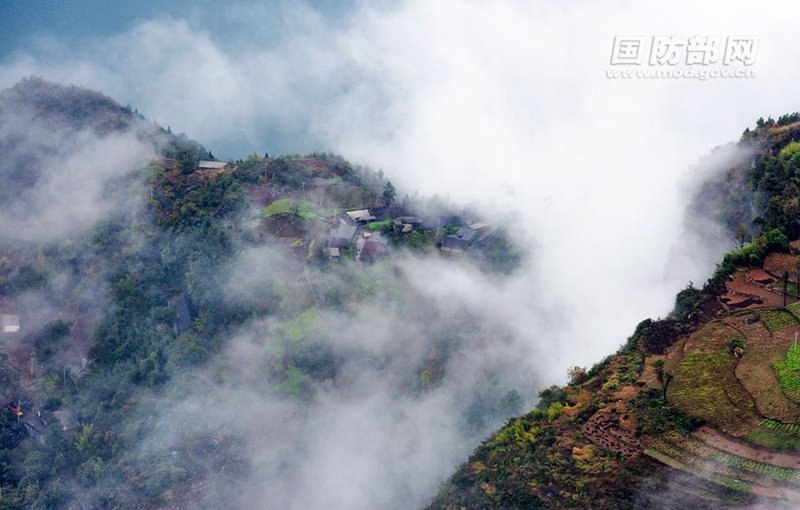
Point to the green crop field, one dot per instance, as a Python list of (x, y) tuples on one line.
[(691, 451), (776, 319), (705, 387), (795, 308), (756, 374), (788, 373)]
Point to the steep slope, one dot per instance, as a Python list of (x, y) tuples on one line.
[(699, 410)]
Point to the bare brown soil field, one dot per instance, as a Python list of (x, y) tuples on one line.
[(760, 277), (740, 286)]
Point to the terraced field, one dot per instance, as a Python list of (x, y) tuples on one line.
[(691, 454), (774, 437), (705, 385), (757, 335), (753, 395), (755, 373), (795, 308), (788, 373), (776, 319)]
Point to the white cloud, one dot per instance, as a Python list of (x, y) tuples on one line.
[(503, 103)]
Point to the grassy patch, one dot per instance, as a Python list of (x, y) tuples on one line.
[(691, 451), (309, 215), (713, 337), (298, 327), (379, 225), (284, 205), (302, 208)]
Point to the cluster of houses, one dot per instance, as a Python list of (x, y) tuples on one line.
[(351, 233)]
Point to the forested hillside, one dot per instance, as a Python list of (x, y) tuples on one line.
[(184, 332)]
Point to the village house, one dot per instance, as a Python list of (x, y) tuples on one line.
[(9, 323), (183, 313), (459, 241), (406, 224), (341, 236), (211, 165), (9, 320), (361, 216), (374, 247), (477, 225), (437, 222)]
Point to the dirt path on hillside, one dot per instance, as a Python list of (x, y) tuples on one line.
[(722, 442)]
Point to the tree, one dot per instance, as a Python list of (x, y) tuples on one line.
[(785, 277), (187, 159), (388, 193), (577, 375), (664, 377), (741, 235)]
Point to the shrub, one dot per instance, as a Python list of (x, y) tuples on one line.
[(554, 411)]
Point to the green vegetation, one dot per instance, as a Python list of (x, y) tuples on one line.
[(776, 319), (787, 373), (148, 420), (756, 201), (294, 378), (302, 208), (705, 387), (301, 325), (687, 299), (197, 308), (380, 225), (656, 416), (773, 434), (752, 254)]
